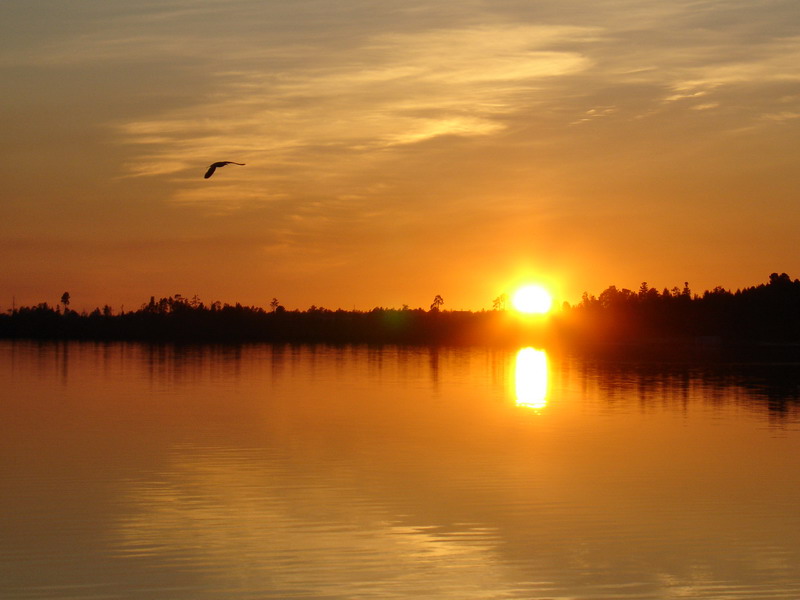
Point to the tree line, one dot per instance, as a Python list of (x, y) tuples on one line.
[(768, 313), (180, 319)]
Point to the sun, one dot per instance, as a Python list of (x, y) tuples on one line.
[(532, 299)]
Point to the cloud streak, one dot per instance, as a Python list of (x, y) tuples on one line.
[(394, 89)]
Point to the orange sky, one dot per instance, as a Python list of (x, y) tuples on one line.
[(394, 150)]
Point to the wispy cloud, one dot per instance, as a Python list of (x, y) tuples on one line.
[(391, 90)]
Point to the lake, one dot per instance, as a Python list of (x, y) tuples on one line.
[(247, 472)]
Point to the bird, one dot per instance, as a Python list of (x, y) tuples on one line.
[(213, 167)]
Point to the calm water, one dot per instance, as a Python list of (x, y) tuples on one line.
[(131, 471)]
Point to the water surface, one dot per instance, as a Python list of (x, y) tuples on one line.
[(135, 471)]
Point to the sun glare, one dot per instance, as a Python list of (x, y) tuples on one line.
[(532, 299), (530, 377)]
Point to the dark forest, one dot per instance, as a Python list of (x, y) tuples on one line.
[(764, 315)]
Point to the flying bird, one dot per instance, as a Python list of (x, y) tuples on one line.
[(213, 167)]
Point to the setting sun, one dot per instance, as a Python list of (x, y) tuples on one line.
[(532, 299)]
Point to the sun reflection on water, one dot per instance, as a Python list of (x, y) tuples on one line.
[(530, 378)]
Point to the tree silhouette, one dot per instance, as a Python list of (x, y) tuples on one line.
[(761, 319), (500, 302)]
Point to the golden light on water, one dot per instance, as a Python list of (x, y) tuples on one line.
[(532, 299), (530, 378)]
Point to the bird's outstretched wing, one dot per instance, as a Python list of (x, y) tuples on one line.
[(213, 167)]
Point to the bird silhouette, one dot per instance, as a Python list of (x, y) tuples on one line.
[(213, 167)]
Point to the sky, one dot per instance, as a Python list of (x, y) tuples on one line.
[(394, 150)]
